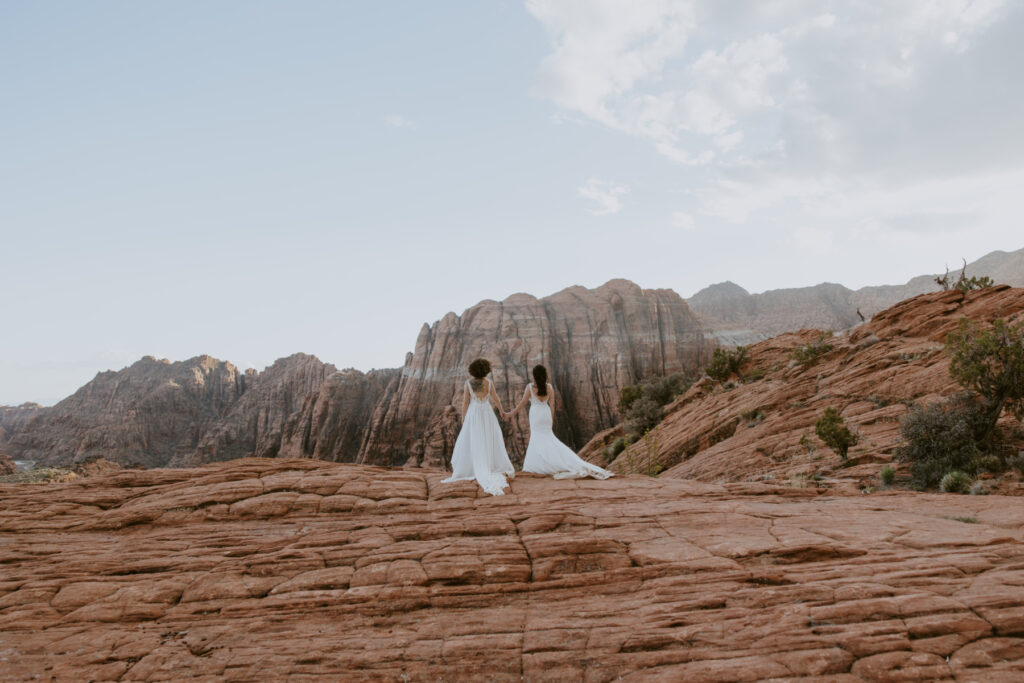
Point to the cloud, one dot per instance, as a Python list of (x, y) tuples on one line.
[(698, 78), (682, 220), (865, 118), (605, 195), (398, 121)]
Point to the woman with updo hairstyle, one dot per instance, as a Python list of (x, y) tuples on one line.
[(545, 454), (479, 451)]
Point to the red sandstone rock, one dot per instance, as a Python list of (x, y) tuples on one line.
[(764, 429), (593, 342), (7, 465), (277, 569)]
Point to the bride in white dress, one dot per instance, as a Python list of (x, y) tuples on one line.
[(545, 454), (479, 451)]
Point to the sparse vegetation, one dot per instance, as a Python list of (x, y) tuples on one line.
[(752, 417), (979, 488), (832, 430), (955, 481), (990, 363), (613, 449), (809, 354), (939, 438), (641, 404), (642, 457), (1017, 462), (963, 283), (887, 475), (965, 520), (41, 475), (724, 363)]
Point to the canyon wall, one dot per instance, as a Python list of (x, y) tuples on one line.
[(593, 343), (148, 414)]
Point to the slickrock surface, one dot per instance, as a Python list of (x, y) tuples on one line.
[(738, 316), (280, 569), (764, 428), (593, 342)]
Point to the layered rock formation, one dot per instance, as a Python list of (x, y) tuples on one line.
[(298, 407), (738, 317), (763, 429), (14, 418), (150, 413), (276, 570), (593, 342)]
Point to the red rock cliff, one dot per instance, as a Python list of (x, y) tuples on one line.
[(593, 342)]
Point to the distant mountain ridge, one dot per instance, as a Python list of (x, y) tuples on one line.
[(735, 316), (594, 341)]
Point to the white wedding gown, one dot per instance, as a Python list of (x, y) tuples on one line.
[(479, 451), (545, 454)]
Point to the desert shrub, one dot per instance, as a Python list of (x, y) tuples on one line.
[(939, 438), (754, 375), (989, 463), (964, 283), (979, 488), (641, 404), (614, 448), (808, 354), (990, 363), (643, 416), (724, 363), (752, 417), (955, 482), (1017, 462), (642, 457), (832, 430), (888, 475)]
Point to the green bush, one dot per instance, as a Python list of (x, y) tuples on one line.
[(808, 354), (989, 362), (832, 430), (989, 463), (724, 363), (614, 448), (1017, 462), (979, 488), (955, 482), (939, 438), (887, 475), (641, 404)]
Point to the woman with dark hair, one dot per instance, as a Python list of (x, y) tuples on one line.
[(479, 451), (545, 454)]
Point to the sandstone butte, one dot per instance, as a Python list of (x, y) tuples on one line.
[(296, 569)]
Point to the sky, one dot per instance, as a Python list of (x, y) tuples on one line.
[(250, 178)]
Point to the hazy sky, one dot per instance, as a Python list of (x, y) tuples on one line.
[(249, 179)]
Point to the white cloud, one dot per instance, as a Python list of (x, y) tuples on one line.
[(398, 121), (635, 67), (682, 220), (605, 195), (868, 119)]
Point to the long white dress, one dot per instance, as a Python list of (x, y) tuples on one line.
[(545, 454), (479, 451)]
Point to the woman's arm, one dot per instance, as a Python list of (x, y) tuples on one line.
[(494, 397), (526, 397), (551, 402), (465, 401)]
